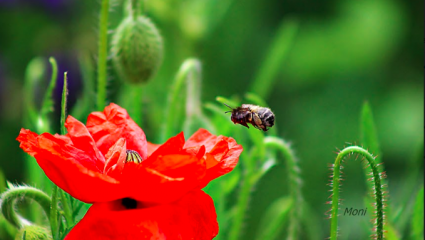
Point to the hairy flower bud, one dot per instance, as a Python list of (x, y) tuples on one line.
[(33, 232), (137, 49)]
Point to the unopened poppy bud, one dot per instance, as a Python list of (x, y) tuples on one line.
[(133, 156), (137, 49), (33, 232)]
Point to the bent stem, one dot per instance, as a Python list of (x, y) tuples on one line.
[(378, 194), (10, 197), (47, 105), (295, 183), (102, 55), (188, 72)]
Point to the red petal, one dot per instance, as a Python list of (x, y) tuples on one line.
[(69, 167), (82, 139), (152, 147), (115, 159), (166, 179), (173, 145), (222, 153), (192, 217), (112, 124)]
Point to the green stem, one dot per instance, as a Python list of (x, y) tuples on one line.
[(66, 209), (10, 197), (135, 9), (54, 212), (102, 55), (294, 182), (242, 205), (64, 102), (131, 98), (193, 93), (64, 201), (379, 224)]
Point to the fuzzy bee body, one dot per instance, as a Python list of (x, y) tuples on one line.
[(259, 117)]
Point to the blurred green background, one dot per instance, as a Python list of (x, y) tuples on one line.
[(343, 53)]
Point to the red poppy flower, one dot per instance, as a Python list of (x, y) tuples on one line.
[(139, 190)]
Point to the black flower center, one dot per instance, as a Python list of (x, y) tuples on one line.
[(133, 156), (129, 203)]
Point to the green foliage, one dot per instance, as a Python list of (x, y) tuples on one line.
[(263, 81), (313, 70), (102, 55), (418, 216), (275, 217)]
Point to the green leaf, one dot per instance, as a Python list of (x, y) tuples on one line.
[(418, 216), (369, 136), (273, 63), (274, 219)]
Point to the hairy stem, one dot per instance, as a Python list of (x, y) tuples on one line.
[(10, 197), (336, 180), (102, 55), (64, 102), (294, 182)]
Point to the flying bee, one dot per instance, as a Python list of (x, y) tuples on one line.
[(259, 117)]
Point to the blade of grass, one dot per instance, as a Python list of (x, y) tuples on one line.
[(274, 219), (273, 62), (369, 136)]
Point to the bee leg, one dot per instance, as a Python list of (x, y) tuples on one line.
[(258, 121), (244, 124)]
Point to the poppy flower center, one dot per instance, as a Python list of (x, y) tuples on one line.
[(129, 203), (133, 156)]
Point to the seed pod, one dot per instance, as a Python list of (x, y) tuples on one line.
[(137, 49)]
